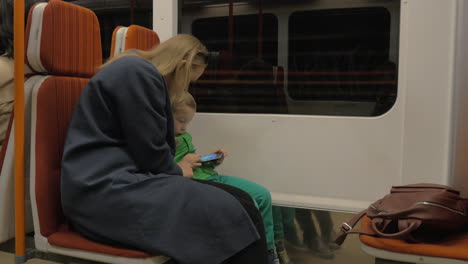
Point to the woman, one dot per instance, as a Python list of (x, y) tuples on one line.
[(7, 93), (119, 182)]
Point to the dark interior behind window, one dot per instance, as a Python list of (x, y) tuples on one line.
[(342, 55), (241, 79), (114, 13)]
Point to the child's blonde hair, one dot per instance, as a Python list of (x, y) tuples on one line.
[(186, 99), (174, 59)]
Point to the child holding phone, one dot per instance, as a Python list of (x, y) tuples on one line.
[(184, 109)]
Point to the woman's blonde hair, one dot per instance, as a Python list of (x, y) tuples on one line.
[(186, 99), (174, 59)]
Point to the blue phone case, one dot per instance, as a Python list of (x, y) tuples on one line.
[(210, 157)]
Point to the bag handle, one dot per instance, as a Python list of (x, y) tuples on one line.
[(414, 224), (347, 228)]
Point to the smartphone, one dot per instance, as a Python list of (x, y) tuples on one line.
[(211, 157)]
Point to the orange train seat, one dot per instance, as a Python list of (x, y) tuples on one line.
[(452, 250), (133, 37), (63, 40)]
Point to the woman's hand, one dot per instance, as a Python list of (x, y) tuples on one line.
[(225, 153)]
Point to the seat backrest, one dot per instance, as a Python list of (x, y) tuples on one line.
[(68, 49), (63, 40), (118, 41), (133, 37)]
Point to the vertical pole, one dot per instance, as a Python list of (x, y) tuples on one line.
[(19, 131)]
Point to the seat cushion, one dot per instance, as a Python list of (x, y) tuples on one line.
[(69, 239), (454, 246)]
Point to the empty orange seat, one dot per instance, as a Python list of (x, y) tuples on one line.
[(133, 37), (141, 38)]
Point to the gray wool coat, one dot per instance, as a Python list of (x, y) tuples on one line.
[(120, 185)]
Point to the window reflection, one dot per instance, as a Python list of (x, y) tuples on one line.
[(342, 55), (242, 76), (309, 57), (114, 13)]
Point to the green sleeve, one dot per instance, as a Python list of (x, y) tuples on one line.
[(184, 146)]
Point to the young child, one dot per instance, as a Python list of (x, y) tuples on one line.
[(184, 109)]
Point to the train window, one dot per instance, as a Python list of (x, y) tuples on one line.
[(114, 13), (241, 76), (306, 57), (341, 56), (213, 32)]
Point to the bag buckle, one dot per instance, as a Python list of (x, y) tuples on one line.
[(345, 227)]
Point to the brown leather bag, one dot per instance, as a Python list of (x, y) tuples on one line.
[(415, 213)]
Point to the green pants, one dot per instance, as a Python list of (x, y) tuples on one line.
[(261, 197), (282, 217)]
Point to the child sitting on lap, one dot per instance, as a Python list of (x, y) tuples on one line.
[(184, 110)]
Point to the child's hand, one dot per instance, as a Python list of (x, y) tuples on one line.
[(188, 163), (193, 160), (225, 153), (187, 170)]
